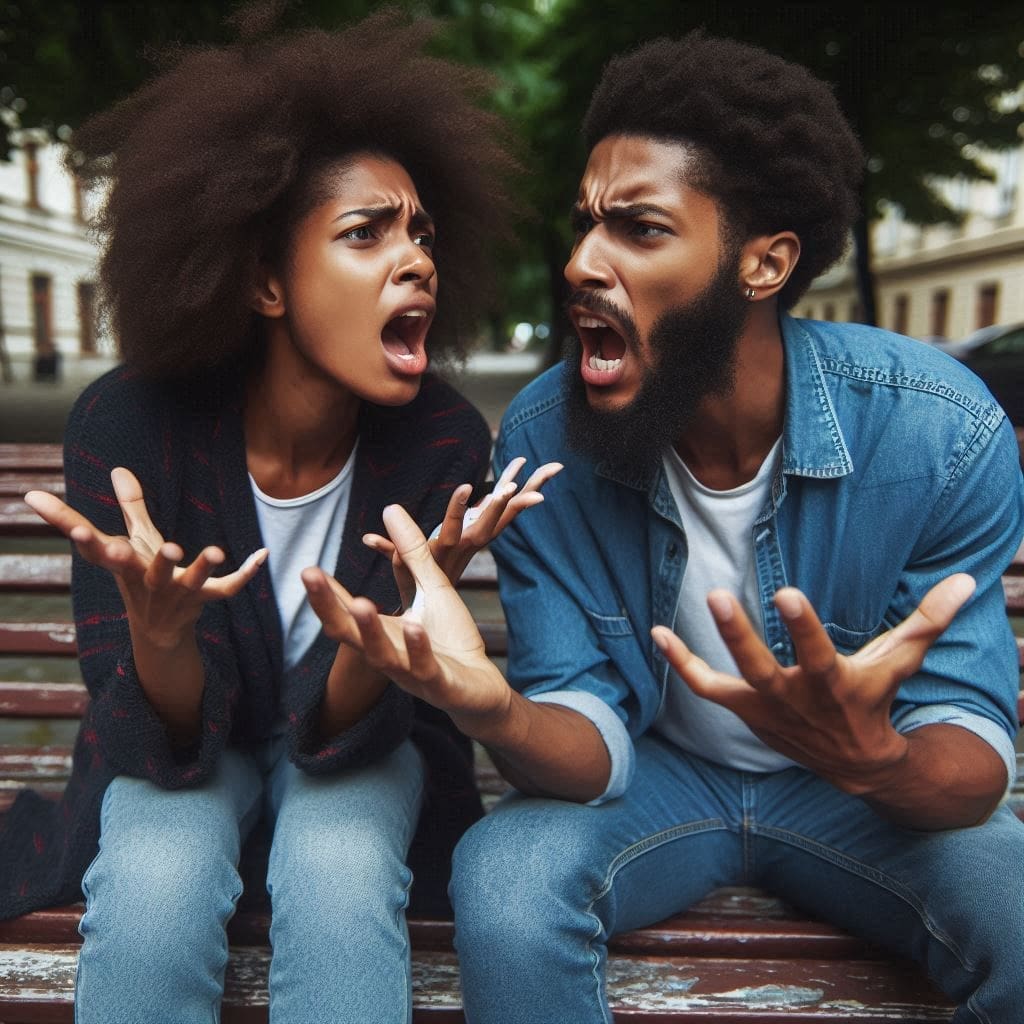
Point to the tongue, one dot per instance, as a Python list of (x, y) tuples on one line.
[(394, 342), (610, 344)]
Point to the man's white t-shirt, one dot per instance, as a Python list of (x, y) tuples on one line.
[(300, 532), (720, 555)]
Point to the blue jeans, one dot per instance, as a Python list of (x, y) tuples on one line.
[(165, 883), (546, 883)]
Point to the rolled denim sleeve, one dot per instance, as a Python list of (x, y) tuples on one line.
[(949, 714), (612, 730)]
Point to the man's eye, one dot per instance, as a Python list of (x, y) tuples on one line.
[(361, 234), (641, 230), (424, 239)]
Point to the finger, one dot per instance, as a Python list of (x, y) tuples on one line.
[(161, 569), (233, 582), (329, 605), (541, 476), (451, 526), (519, 503), (510, 472), (482, 522), (128, 492), (755, 662), (379, 651), (815, 651), (422, 663), (199, 571), (61, 515), (413, 548), (905, 646), (698, 674), (379, 543)]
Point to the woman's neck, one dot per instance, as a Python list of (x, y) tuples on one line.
[(300, 426)]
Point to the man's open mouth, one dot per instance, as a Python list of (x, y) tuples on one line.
[(604, 348)]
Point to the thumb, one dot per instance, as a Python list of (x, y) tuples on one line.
[(412, 547)]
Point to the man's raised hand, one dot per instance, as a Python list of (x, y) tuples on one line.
[(829, 712), (434, 651)]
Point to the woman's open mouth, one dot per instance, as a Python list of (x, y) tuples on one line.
[(403, 339)]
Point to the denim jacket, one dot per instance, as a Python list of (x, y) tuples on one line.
[(898, 469)]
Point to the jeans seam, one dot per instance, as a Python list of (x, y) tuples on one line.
[(895, 887), (626, 856)]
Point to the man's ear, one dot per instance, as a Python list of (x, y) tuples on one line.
[(268, 294), (766, 264)]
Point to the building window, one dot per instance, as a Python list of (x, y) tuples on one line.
[(856, 312), (87, 317), (940, 312), (32, 173), (42, 313), (809, 313), (829, 312), (901, 313), (988, 301)]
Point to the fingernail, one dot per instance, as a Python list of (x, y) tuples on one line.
[(788, 603), (661, 641), (721, 606)]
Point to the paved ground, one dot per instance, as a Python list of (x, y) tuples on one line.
[(36, 410)]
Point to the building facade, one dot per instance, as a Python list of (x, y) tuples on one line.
[(943, 281), (48, 293)]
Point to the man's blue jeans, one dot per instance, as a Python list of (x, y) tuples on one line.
[(165, 883), (540, 885)]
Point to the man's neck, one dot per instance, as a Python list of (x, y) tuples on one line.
[(731, 435)]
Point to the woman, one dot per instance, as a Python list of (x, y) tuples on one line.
[(272, 275)]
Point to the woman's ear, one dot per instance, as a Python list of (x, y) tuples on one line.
[(767, 263), (268, 294)]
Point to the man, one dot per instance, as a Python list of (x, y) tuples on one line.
[(812, 517)]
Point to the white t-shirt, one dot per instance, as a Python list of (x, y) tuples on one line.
[(300, 532), (719, 534)]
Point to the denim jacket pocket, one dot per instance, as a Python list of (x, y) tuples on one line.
[(609, 625), (849, 640)]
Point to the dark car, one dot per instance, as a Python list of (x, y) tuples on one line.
[(996, 355)]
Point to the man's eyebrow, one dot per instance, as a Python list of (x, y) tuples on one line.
[(621, 211)]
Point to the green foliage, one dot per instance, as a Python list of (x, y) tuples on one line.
[(924, 85)]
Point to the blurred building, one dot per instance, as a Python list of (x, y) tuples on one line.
[(943, 281), (48, 294)]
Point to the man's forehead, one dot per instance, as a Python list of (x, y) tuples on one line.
[(631, 170)]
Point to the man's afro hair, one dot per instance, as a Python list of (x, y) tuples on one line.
[(771, 144)]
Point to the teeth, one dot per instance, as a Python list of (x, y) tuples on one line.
[(596, 363), (417, 314), (590, 321)]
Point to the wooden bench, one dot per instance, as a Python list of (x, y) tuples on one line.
[(739, 955)]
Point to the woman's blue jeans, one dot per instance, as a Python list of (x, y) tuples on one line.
[(165, 883), (539, 885)]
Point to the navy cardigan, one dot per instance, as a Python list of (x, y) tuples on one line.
[(187, 448)]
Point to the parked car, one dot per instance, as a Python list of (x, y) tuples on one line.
[(996, 355)]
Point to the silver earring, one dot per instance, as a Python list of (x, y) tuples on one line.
[(751, 293)]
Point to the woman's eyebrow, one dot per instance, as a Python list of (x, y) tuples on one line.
[(420, 217)]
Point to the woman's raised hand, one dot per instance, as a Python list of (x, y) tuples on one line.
[(464, 531), (162, 599)]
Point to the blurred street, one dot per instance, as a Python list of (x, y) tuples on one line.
[(35, 411)]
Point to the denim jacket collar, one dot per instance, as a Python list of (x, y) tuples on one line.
[(813, 443)]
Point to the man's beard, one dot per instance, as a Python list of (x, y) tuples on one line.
[(692, 351)]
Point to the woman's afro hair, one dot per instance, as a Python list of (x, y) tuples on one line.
[(211, 163), (769, 140)]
